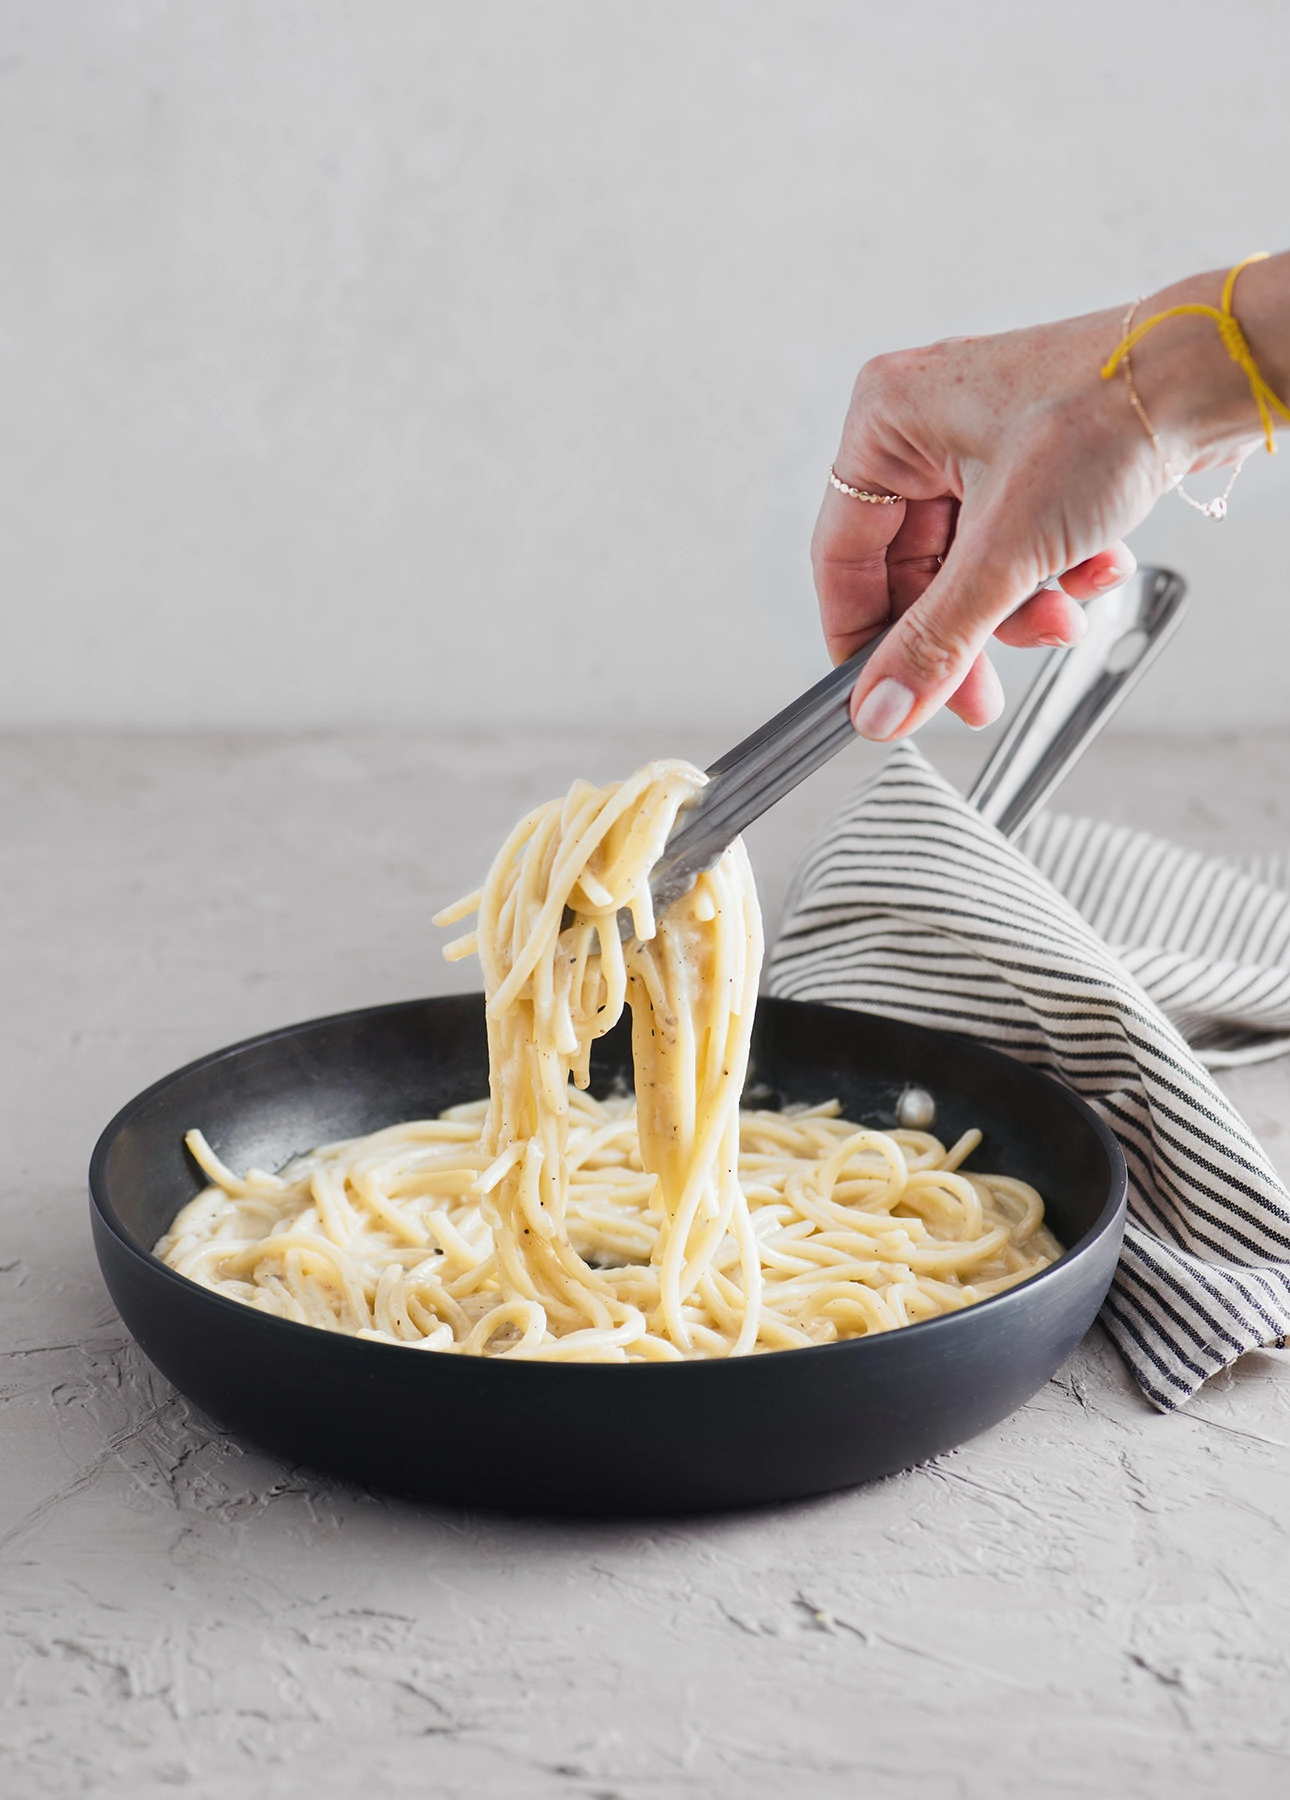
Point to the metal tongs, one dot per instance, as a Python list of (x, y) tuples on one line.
[(1074, 695)]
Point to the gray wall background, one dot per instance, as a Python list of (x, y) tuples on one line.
[(372, 361)]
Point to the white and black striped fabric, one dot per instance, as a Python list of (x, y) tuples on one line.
[(1095, 952)]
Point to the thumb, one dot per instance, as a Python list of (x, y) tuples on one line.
[(931, 649)]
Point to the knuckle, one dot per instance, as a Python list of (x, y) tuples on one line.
[(881, 377), (932, 653), (835, 559)]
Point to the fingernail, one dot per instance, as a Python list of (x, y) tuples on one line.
[(883, 710), (1076, 628), (992, 696), (1110, 578)]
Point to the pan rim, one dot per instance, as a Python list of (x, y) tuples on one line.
[(1108, 1219)]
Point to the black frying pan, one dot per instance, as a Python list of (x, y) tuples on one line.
[(599, 1438)]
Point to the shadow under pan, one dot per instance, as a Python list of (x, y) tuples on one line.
[(605, 1438)]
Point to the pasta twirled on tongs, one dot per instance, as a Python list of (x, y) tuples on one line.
[(543, 1223)]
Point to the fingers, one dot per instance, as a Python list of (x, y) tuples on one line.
[(929, 654), (1047, 619), (1105, 570), (918, 549), (849, 557), (929, 657), (869, 569), (1052, 619), (979, 699)]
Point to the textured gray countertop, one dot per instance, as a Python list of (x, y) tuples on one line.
[(1089, 1600)]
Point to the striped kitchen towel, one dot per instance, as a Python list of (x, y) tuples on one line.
[(1122, 965)]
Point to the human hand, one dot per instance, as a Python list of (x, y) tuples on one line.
[(1019, 463)]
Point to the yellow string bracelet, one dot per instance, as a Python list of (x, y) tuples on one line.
[(1233, 342)]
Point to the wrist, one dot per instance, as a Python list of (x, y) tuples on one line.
[(1198, 398)]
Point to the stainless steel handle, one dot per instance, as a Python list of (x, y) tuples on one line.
[(749, 779), (1074, 695)]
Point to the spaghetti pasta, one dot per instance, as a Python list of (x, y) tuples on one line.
[(543, 1223)]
